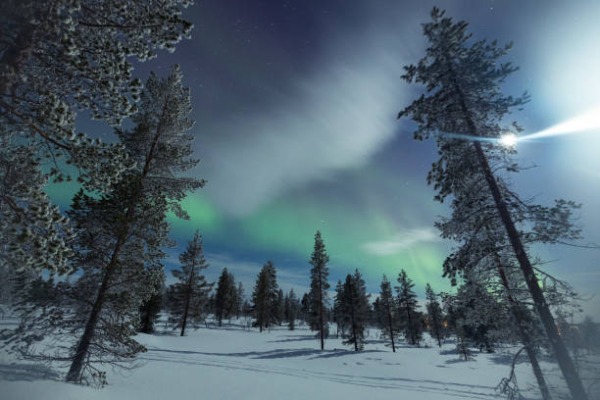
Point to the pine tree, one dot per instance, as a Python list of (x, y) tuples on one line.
[(58, 58), (120, 233), (407, 309), (264, 297), (355, 310), (387, 308), (434, 315), (338, 309), (463, 104), (318, 298), (240, 299), (187, 297), (280, 307), (225, 297)]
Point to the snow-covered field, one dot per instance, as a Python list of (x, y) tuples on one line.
[(234, 363)]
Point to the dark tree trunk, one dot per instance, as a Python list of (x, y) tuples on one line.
[(525, 339), (391, 328), (562, 355), (321, 315), (81, 352)]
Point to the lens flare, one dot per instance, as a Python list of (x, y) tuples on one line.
[(508, 140), (587, 121)]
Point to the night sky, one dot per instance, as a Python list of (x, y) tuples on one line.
[(295, 105)]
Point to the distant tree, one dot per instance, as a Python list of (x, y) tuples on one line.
[(355, 310), (291, 309), (434, 315), (590, 334), (280, 307), (463, 104), (240, 298), (407, 309), (318, 289), (305, 307), (338, 309), (387, 309), (264, 297), (225, 297), (187, 297), (151, 308)]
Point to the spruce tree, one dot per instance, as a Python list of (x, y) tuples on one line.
[(387, 310), (338, 309), (434, 315), (407, 309), (318, 298), (225, 297), (464, 109), (187, 297), (355, 310), (292, 309), (264, 297)]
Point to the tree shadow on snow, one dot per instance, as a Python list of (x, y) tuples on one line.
[(27, 372)]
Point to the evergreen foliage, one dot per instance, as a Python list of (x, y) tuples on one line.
[(386, 312), (354, 310), (56, 59), (409, 317), (151, 308), (291, 309), (265, 297), (226, 297), (187, 298), (464, 109), (317, 296), (434, 315), (120, 233)]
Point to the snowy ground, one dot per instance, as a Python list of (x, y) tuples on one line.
[(233, 363)]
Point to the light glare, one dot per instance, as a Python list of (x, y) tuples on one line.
[(508, 140)]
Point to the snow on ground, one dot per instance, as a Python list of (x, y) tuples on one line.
[(234, 363)]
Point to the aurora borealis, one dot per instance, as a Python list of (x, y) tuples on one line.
[(295, 105)]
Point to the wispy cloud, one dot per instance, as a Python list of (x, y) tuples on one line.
[(331, 119), (401, 242)]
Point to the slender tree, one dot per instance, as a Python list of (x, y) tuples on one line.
[(292, 309), (354, 310), (151, 308), (264, 297), (407, 309), (464, 105), (434, 314), (318, 289), (225, 297), (387, 307), (187, 297)]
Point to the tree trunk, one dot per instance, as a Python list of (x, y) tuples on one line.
[(562, 355), (81, 352), (391, 328), (321, 315), (353, 318), (525, 339)]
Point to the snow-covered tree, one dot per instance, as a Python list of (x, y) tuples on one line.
[(265, 295), (386, 311), (187, 297), (354, 310), (225, 297), (58, 58), (317, 295), (434, 315), (121, 231), (409, 317), (464, 109)]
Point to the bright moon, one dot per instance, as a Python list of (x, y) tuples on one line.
[(508, 140)]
